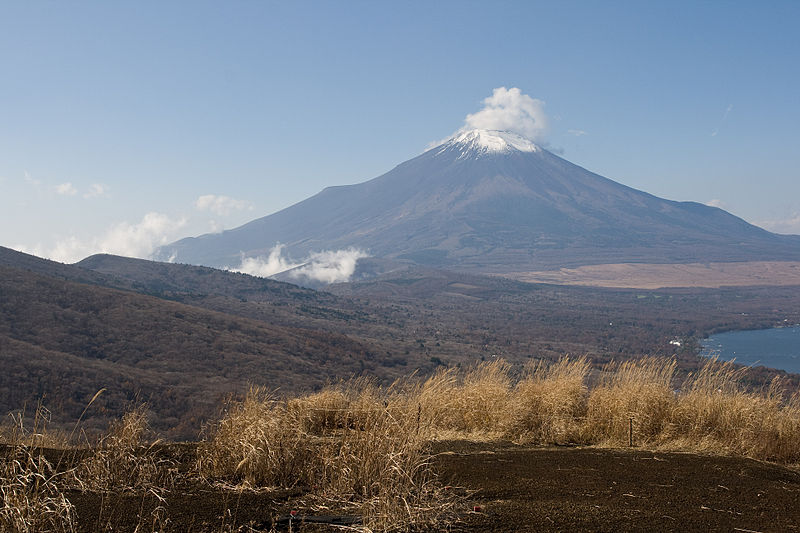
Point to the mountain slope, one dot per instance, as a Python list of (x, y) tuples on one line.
[(494, 202)]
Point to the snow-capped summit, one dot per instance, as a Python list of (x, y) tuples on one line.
[(493, 202), (489, 141)]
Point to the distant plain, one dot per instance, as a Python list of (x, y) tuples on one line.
[(660, 276)]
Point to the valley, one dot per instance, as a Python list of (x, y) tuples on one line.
[(183, 338)]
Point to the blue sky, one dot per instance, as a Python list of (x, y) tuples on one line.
[(127, 125)]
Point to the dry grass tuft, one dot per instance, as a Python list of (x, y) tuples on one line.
[(640, 390), (547, 404), (260, 442), (123, 461), (470, 402), (31, 498), (351, 445), (714, 413)]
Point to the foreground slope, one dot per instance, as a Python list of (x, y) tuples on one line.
[(494, 202), (508, 489)]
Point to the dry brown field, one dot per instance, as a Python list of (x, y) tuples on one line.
[(659, 276)]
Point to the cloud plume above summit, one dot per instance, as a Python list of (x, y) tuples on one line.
[(510, 110), (507, 110)]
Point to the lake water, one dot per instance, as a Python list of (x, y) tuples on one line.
[(774, 348)]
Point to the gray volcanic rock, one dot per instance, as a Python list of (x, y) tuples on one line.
[(489, 201)]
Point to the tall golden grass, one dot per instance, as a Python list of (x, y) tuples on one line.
[(548, 403), (123, 460), (714, 413), (31, 497), (33, 489), (363, 445), (350, 445), (632, 391), (359, 448)]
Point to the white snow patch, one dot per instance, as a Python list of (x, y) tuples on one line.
[(489, 141)]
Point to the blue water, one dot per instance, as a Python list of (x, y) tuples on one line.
[(774, 348)]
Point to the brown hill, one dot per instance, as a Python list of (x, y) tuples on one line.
[(63, 341)]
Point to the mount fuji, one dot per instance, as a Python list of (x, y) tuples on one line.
[(493, 202)]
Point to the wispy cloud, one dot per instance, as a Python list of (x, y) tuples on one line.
[(727, 112), (65, 189), (724, 118), (96, 190), (716, 202), (577, 133), (30, 180), (329, 266), (221, 205)]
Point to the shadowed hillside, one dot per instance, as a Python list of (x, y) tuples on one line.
[(64, 341)]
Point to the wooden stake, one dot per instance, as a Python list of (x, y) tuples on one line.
[(630, 432)]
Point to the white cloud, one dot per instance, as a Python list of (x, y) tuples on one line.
[(507, 110), (265, 267), (329, 266), (66, 189), (130, 240), (716, 202), (96, 190), (789, 225), (221, 205), (511, 110), (577, 133), (141, 240)]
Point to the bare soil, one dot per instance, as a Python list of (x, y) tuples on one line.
[(589, 489), (505, 488)]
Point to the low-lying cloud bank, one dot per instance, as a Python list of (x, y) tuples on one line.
[(127, 239), (328, 266)]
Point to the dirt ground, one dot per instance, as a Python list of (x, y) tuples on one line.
[(587, 489), (507, 488)]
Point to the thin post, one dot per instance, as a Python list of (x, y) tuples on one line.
[(630, 432)]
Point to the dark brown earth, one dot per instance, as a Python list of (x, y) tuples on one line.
[(508, 488), (588, 489)]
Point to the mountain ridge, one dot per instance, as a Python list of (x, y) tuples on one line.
[(477, 203)]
